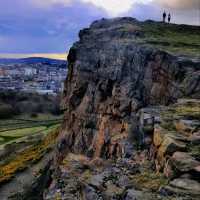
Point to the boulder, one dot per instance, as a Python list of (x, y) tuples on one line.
[(131, 195), (146, 121), (168, 147), (97, 180), (112, 191), (188, 101), (197, 169), (184, 186), (184, 162), (186, 127), (195, 138), (89, 193), (124, 181)]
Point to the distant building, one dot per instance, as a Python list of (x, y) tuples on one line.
[(28, 71), (37, 77)]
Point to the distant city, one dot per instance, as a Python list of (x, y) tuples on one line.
[(39, 75)]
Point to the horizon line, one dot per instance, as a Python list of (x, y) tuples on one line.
[(58, 56)]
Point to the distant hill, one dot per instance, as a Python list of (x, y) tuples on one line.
[(32, 60)]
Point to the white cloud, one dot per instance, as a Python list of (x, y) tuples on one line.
[(112, 7), (118, 7), (49, 3)]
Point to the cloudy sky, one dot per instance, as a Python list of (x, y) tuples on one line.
[(51, 26)]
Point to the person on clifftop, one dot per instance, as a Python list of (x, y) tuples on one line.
[(169, 18), (164, 16)]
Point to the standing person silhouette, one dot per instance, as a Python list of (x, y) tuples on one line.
[(164, 16), (169, 18)]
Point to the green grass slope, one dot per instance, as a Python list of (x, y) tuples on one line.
[(176, 39)]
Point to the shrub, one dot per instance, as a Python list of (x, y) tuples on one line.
[(6, 111), (29, 103), (34, 115)]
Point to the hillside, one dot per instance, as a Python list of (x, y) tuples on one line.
[(131, 117), (131, 104), (182, 40), (29, 126), (32, 60)]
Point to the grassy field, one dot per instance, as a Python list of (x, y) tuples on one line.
[(24, 141), (23, 126)]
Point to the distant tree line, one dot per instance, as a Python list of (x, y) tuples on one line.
[(14, 103)]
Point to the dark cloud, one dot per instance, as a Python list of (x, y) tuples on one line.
[(25, 28), (30, 29)]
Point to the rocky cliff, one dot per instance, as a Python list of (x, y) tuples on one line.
[(112, 74), (120, 102)]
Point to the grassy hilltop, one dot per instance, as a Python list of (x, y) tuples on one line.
[(178, 39)]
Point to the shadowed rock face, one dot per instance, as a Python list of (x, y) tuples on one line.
[(112, 74)]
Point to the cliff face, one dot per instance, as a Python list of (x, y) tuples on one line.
[(131, 128), (113, 73)]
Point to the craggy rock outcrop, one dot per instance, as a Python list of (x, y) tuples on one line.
[(131, 128), (80, 178), (112, 75)]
